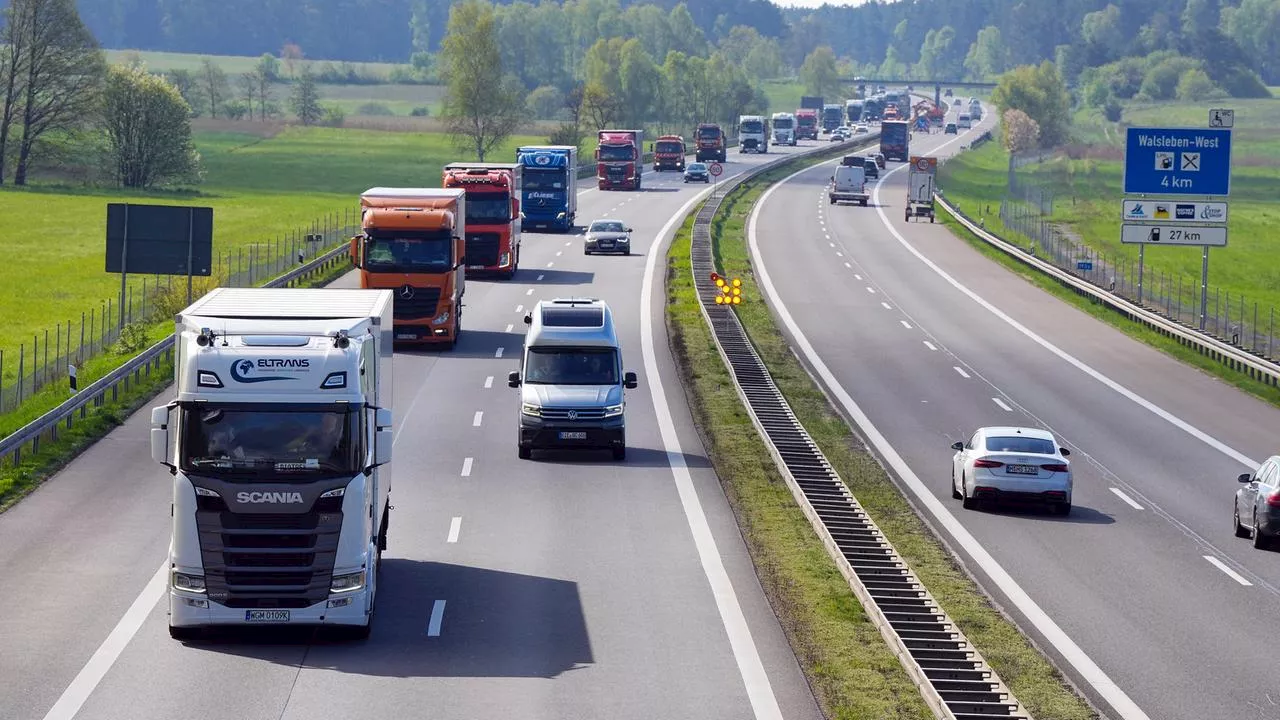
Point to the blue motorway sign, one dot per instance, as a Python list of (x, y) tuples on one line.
[(1084, 264), (1177, 161)]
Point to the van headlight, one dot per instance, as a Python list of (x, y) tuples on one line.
[(347, 582), (188, 583), (612, 410), (531, 409)]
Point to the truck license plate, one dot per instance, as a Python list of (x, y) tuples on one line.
[(573, 436), (266, 616)]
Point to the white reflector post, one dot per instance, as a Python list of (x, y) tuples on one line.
[(71, 378)]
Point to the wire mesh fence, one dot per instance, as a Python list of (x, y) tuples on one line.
[(55, 354)]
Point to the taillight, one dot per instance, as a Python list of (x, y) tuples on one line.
[(1274, 499), (987, 464), (1055, 467)]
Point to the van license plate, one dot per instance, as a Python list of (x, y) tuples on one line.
[(266, 616), (1023, 470), (573, 436)]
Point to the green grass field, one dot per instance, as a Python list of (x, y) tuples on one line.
[(784, 95), (231, 64), (260, 188)]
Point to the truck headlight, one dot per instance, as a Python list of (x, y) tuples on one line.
[(505, 260), (188, 583), (559, 216), (531, 409), (442, 319), (612, 410), (347, 582)]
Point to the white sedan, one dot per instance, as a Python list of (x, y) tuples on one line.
[(1012, 463)]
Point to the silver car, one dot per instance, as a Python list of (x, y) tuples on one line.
[(1012, 463), (610, 236), (1257, 506)]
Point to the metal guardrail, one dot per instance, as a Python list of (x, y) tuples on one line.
[(47, 425), (1229, 355), (951, 675)]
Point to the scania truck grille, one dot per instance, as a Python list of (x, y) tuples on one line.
[(483, 249)]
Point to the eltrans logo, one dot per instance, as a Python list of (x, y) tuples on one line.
[(268, 369)]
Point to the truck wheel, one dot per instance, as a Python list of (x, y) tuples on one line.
[(185, 634), (620, 453), (525, 452)]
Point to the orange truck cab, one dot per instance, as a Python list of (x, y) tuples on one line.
[(668, 153), (411, 242), (711, 143), (493, 214)]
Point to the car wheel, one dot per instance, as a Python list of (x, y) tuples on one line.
[(967, 503), (1241, 531), (955, 494), (525, 452), (1259, 540), (1062, 509)]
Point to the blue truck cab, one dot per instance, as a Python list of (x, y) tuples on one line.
[(549, 198)]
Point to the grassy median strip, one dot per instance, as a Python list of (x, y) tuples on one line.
[(17, 481), (852, 671)]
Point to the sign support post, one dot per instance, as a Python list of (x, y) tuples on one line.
[(1204, 287), (1142, 257), (124, 270), (191, 241)]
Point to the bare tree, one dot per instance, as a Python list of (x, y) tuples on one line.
[(249, 90), (12, 69), (63, 71), (214, 83), (292, 55)]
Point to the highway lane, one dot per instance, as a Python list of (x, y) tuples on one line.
[(1126, 575), (502, 576)]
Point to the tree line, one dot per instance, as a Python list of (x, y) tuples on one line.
[(59, 98)]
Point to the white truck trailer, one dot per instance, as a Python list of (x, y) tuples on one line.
[(921, 180), (279, 443)]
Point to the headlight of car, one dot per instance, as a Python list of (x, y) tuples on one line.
[(531, 409), (612, 410), (347, 582), (188, 583)]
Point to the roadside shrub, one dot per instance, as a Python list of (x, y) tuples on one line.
[(333, 116), (421, 111), (374, 108)]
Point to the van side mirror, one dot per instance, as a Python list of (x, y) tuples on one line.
[(355, 252), (1245, 478), (957, 446), (513, 378), (160, 437), (629, 381), (383, 439)]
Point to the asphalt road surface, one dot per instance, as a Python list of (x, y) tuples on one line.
[(564, 587), (924, 339)]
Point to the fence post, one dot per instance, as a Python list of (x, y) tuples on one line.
[(22, 362)]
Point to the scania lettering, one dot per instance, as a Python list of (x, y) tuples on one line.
[(493, 214), (281, 490), (550, 186)]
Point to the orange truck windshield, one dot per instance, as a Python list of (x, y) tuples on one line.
[(403, 251)]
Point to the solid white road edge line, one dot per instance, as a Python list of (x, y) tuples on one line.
[(437, 617), (1230, 573), (1072, 653), (1120, 494), (74, 697), (455, 527), (764, 704)]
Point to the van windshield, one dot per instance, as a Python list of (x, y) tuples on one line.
[(571, 366)]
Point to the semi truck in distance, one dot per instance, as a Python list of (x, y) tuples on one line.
[(784, 128), (549, 188), (832, 117), (811, 102), (895, 139), (619, 159), (279, 443), (853, 111), (712, 145), (806, 124), (668, 153), (412, 241), (753, 134), (493, 214)]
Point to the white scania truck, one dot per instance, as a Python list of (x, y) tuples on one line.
[(279, 443)]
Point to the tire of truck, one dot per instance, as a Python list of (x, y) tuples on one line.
[(864, 202), (930, 219), (524, 452), (619, 453), (186, 634)]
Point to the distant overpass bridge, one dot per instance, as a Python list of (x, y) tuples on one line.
[(937, 84)]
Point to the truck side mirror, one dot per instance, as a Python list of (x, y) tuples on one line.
[(629, 381), (160, 436), (355, 251), (383, 439), (515, 209), (513, 378)]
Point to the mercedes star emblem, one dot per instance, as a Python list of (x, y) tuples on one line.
[(406, 292)]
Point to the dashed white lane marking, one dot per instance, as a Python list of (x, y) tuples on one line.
[(930, 345), (466, 467), (437, 617), (529, 292), (479, 416), (540, 277), (510, 327), (871, 290), (839, 254), (559, 253), (550, 264), (488, 382), (832, 244), (886, 306), (1230, 573), (1120, 494), (856, 276), (568, 243), (848, 266), (498, 353), (1002, 404), (905, 324), (519, 308), (960, 370), (455, 527)]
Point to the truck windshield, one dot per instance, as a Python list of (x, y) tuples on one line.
[(752, 126), (407, 251), (806, 120), (263, 443), (542, 180), (782, 124), (670, 146), (709, 134), (571, 366), (616, 153), (489, 207)]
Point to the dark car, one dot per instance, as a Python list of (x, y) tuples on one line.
[(880, 160), (870, 168), (951, 129), (607, 236), (1257, 506), (697, 172)]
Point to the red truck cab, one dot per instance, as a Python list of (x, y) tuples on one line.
[(668, 153), (493, 214), (711, 143), (806, 124), (619, 162)]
